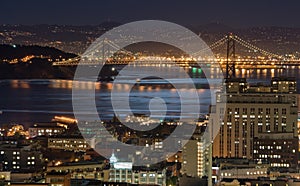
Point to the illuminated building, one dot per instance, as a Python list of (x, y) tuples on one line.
[(279, 150), (17, 129), (193, 158), (125, 172), (5, 176), (120, 171), (283, 85), (241, 168), (141, 119), (68, 143), (45, 130), (246, 172), (20, 158), (58, 178), (252, 116), (83, 170)]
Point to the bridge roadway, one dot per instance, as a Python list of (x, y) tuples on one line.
[(192, 63)]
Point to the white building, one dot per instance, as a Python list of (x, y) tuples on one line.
[(125, 172)]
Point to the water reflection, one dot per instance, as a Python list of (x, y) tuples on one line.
[(20, 84), (51, 97)]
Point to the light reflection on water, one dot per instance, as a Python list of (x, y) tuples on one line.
[(27, 101)]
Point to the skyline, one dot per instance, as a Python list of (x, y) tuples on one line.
[(165, 93), (232, 13)]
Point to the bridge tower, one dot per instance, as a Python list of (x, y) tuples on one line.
[(106, 53), (230, 63)]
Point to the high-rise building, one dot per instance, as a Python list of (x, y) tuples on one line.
[(193, 158), (250, 116)]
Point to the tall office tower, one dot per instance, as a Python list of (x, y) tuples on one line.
[(194, 156), (255, 120)]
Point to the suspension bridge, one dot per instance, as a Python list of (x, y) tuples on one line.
[(105, 55)]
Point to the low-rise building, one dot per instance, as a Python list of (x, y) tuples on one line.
[(83, 170), (16, 158), (278, 149), (58, 178), (68, 143), (47, 129), (125, 172)]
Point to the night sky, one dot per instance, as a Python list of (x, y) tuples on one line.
[(234, 13)]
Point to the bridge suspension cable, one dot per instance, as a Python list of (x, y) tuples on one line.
[(104, 45), (255, 48), (218, 43), (212, 46), (241, 42)]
